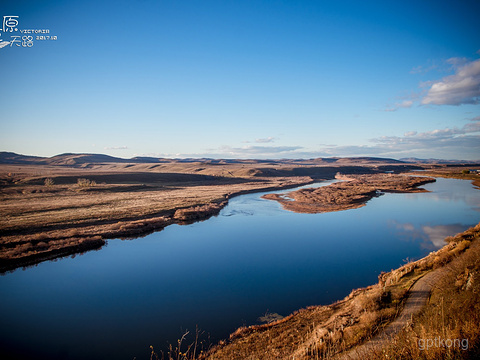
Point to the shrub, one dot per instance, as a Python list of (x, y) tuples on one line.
[(85, 182), (49, 182)]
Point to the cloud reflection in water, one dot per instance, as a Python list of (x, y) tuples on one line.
[(431, 236)]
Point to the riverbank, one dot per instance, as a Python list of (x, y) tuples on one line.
[(73, 203), (461, 173), (181, 258), (42, 222), (351, 193), (331, 331)]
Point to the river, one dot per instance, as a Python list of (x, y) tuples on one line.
[(219, 274)]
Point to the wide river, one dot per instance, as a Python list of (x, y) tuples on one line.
[(219, 274)]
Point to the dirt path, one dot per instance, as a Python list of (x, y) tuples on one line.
[(419, 294)]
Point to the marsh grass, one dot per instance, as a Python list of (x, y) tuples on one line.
[(185, 349)]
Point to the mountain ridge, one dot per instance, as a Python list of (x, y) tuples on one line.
[(72, 159), (78, 159)]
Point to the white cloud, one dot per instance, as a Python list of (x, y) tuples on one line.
[(424, 69), (472, 127), (244, 152), (461, 143), (248, 151), (265, 140), (269, 139), (457, 62), (407, 103), (116, 147), (448, 143), (463, 87)]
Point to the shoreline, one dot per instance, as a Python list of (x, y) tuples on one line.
[(80, 239), (359, 320), (337, 330), (30, 243), (388, 297), (351, 193)]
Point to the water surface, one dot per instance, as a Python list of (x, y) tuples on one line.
[(219, 274)]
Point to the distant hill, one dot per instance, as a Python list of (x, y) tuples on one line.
[(78, 159), (12, 158), (365, 160), (438, 161), (63, 159), (70, 159)]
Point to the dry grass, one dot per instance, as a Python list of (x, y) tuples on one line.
[(449, 325), (314, 332)]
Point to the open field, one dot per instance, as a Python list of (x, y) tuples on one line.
[(352, 193)]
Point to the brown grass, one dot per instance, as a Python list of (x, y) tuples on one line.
[(451, 317)]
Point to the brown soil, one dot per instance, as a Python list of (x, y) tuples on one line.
[(352, 193)]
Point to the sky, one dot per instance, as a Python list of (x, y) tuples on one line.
[(241, 79)]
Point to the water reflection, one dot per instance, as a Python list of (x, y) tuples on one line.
[(254, 259), (456, 192), (237, 212), (431, 237)]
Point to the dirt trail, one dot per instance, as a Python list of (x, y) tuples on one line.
[(419, 294)]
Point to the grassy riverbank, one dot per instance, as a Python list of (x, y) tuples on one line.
[(43, 217), (325, 332), (449, 325)]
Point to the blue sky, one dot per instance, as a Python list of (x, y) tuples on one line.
[(243, 79)]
